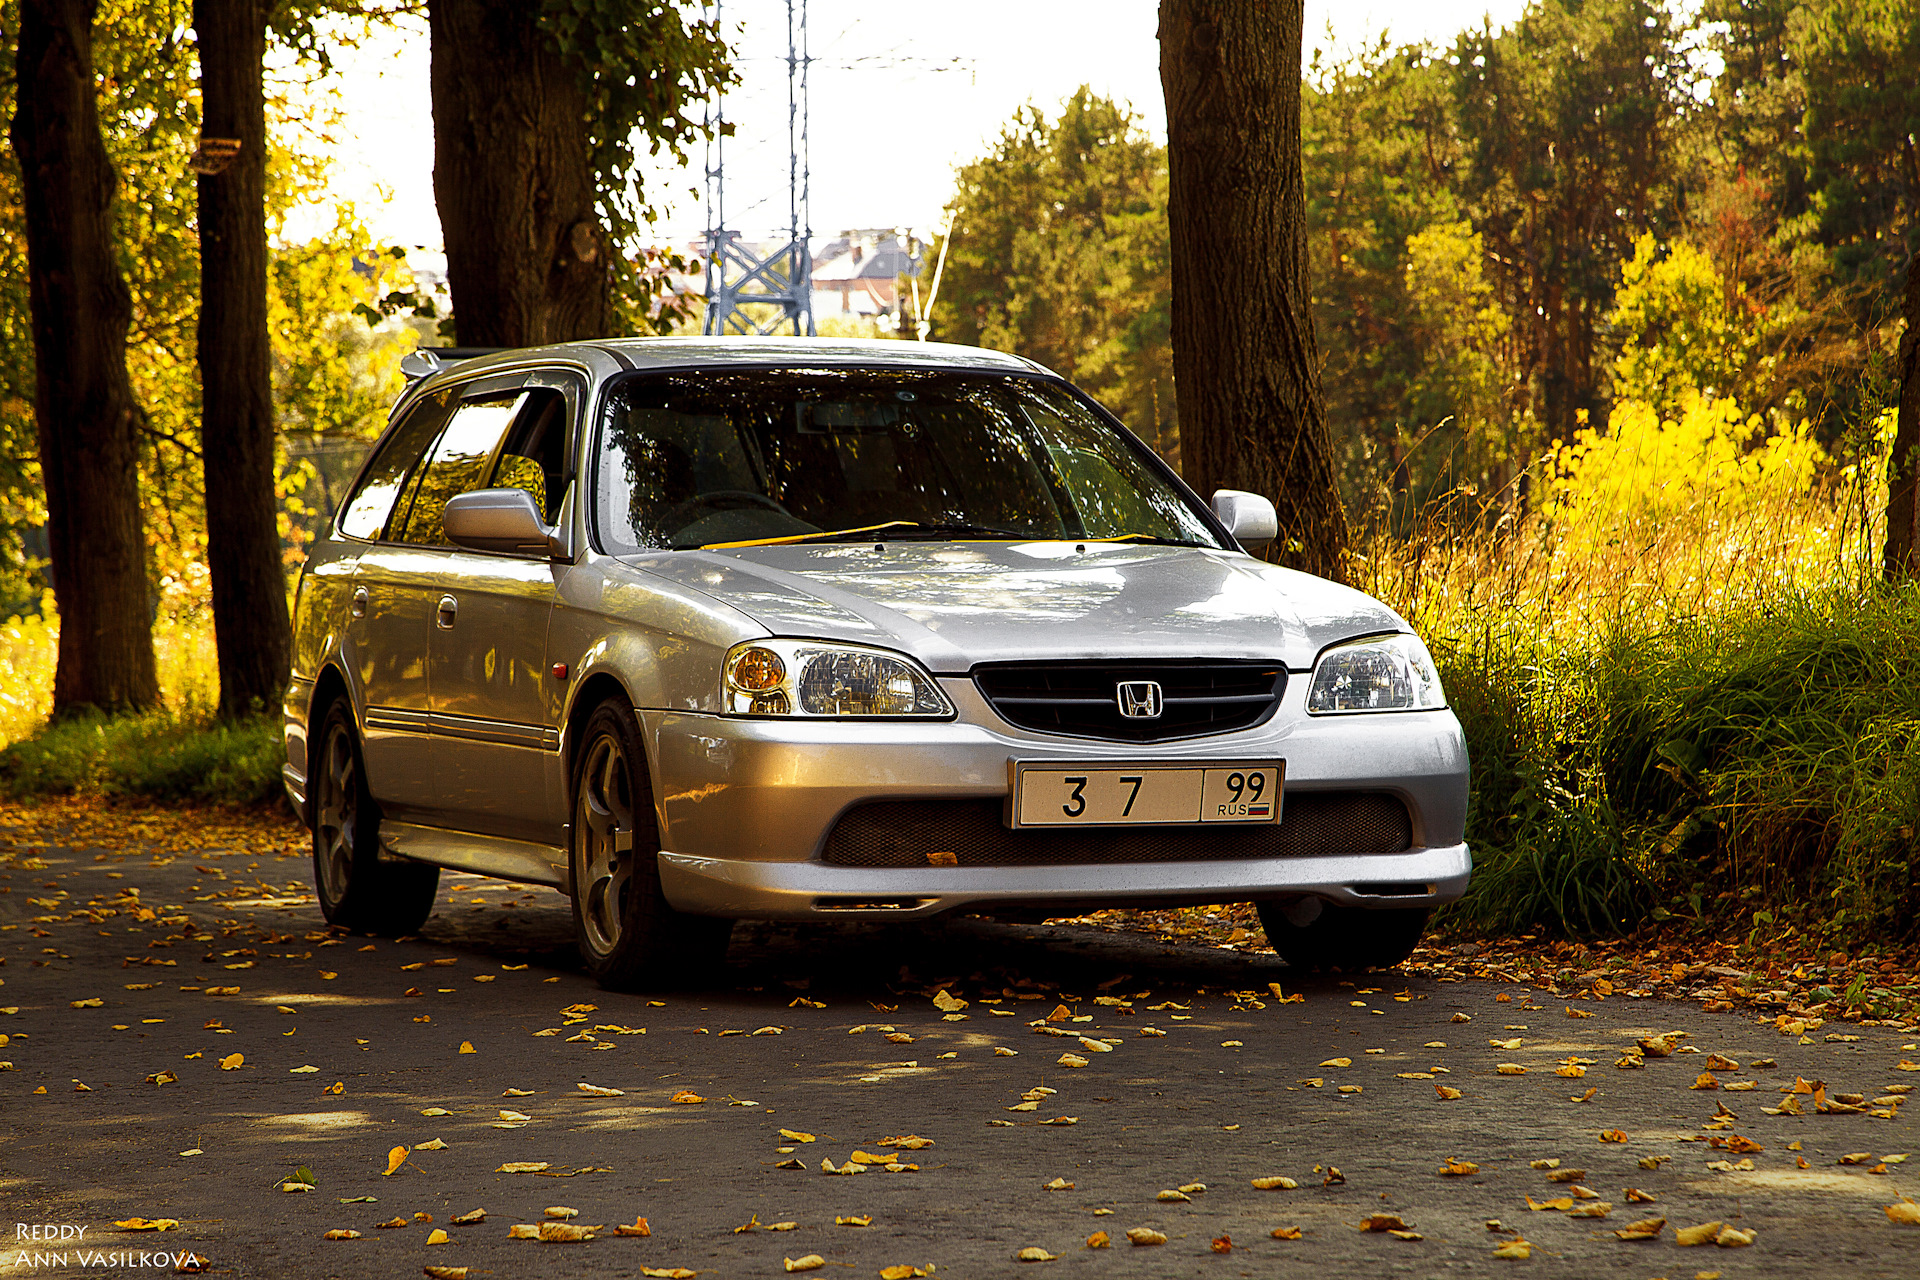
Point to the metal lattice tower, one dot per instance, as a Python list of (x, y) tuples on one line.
[(779, 286)]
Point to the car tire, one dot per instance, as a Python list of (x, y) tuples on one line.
[(630, 938), (1345, 938), (358, 889)]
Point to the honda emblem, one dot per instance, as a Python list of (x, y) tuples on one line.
[(1138, 699)]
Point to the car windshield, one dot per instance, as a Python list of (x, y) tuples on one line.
[(753, 456)]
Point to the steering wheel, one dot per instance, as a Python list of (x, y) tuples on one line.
[(677, 517)]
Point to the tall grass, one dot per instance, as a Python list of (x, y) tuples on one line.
[(176, 752), (1695, 701)]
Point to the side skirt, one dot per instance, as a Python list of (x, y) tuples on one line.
[(519, 860)]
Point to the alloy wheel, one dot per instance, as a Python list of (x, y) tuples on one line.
[(603, 823), (338, 814)]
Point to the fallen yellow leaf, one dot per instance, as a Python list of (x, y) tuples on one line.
[(437, 1236), (395, 1158), (1702, 1234), (1144, 1236), (339, 1233), (809, 1262), (1520, 1249), (686, 1097), (1286, 1233), (233, 1062), (1645, 1229)]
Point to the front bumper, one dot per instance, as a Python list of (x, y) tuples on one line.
[(746, 807), (802, 890)]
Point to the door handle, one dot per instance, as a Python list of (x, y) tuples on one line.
[(444, 615), (358, 607)]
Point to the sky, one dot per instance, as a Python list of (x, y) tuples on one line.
[(900, 95)]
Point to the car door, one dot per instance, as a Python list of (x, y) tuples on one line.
[(389, 622), (401, 588), (495, 705)]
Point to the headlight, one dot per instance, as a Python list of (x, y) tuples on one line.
[(1386, 673), (808, 679)]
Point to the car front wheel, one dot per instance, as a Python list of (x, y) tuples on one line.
[(357, 889), (629, 936), (1337, 937)]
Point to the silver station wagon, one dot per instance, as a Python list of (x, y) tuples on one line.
[(705, 629)]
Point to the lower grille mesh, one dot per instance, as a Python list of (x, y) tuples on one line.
[(904, 833)]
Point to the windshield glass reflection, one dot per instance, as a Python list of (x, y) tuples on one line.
[(740, 456)]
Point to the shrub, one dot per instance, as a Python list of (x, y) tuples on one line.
[(156, 756)]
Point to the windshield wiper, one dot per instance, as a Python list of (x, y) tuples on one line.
[(818, 535), (1153, 539), (879, 533), (918, 529)]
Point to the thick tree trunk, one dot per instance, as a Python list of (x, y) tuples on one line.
[(236, 431), (1245, 364), (513, 180), (1903, 472), (84, 408)]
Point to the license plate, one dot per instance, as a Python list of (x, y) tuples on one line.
[(1110, 795)]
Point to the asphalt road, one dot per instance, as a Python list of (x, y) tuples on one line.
[(350, 1048)]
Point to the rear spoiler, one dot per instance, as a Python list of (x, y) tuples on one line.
[(424, 361)]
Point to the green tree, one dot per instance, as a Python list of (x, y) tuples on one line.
[(1060, 253), (1815, 116), (1574, 120)]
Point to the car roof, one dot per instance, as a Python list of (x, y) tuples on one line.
[(685, 352)]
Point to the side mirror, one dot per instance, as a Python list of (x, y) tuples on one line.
[(501, 520), (1249, 517)]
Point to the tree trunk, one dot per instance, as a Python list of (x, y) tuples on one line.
[(1246, 366), (87, 419), (236, 431), (527, 259), (1903, 471)]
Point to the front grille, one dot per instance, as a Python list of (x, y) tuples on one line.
[(1082, 698), (905, 833)]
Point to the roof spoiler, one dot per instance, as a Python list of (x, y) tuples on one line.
[(424, 361)]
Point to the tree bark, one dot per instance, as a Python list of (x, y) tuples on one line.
[(1903, 470), (527, 258), (1246, 365), (84, 409), (250, 623)]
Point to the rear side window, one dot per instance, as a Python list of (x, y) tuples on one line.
[(365, 514), (461, 460)]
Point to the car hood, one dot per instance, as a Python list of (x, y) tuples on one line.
[(952, 605)]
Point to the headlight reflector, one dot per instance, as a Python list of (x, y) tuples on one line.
[(809, 679), (1385, 673)]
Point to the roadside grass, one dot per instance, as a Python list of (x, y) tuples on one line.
[(179, 752), (1699, 705)]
